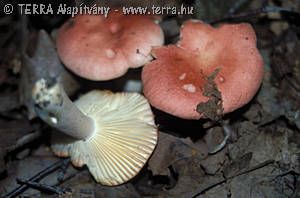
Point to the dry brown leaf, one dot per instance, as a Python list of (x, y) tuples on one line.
[(43, 64), (171, 149)]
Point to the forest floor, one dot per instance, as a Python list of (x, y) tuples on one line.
[(261, 157)]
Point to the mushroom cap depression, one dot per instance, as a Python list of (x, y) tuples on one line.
[(124, 137), (175, 81), (99, 48)]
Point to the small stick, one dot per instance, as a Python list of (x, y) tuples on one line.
[(236, 6), (37, 177), (251, 12), (61, 172), (43, 187), (261, 165), (24, 140)]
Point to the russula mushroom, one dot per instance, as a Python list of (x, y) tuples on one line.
[(113, 134), (176, 81), (99, 48)]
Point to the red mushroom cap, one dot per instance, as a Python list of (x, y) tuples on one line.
[(175, 81), (99, 48)]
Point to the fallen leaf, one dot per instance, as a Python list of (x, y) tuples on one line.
[(43, 64), (171, 149)]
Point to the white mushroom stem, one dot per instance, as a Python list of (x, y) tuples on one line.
[(54, 107)]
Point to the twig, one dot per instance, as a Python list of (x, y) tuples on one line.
[(238, 174), (251, 13), (43, 187), (37, 177), (266, 163), (296, 182), (296, 189), (24, 140), (286, 173), (61, 172), (236, 6)]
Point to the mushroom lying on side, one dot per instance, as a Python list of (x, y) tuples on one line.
[(113, 134)]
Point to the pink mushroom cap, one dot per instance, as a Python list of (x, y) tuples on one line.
[(175, 81), (99, 48)]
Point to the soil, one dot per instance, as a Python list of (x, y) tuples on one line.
[(213, 108), (260, 159)]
